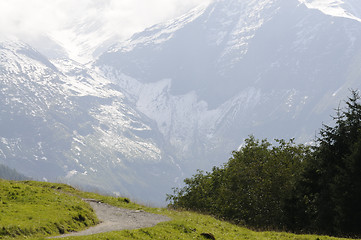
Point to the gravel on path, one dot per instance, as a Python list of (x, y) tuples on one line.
[(116, 219)]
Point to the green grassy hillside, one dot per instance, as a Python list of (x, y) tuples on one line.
[(35, 210), (39, 209)]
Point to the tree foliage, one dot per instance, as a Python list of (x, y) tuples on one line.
[(252, 188), (288, 186), (329, 192)]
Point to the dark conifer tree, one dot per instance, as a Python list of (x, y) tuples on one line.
[(329, 192)]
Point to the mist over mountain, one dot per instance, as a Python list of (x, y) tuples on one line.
[(275, 69), (177, 96), (11, 174)]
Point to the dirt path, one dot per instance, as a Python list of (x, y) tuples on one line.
[(115, 219)]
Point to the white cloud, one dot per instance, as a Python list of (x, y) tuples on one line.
[(80, 29), (33, 17)]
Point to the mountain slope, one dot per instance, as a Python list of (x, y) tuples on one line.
[(347, 9), (62, 121), (178, 96), (273, 68), (11, 174)]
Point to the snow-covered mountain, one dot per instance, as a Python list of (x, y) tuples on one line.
[(273, 68), (61, 121), (347, 9), (178, 96)]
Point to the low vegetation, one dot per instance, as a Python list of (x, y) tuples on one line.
[(46, 209), (189, 226)]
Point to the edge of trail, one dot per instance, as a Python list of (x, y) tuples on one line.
[(117, 219)]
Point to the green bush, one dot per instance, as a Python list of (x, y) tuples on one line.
[(252, 188)]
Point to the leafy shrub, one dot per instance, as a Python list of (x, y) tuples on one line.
[(252, 188)]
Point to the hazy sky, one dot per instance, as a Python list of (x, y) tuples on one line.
[(124, 16)]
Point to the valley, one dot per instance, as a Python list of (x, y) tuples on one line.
[(134, 118)]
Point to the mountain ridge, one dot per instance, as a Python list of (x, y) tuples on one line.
[(176, 97)]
